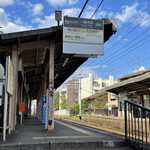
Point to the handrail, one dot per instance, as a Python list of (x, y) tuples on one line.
[(147, 109), (136, 125)]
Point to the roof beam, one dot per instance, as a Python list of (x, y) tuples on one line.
[(33, 45), (33, 78)]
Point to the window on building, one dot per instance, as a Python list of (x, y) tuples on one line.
[(120, 106), (63, 93), (112, 96), (96, 84), (104, 84)]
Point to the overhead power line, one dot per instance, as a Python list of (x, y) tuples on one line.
[(122, 39), (126, 27), (128, 32), (121, 54), (144, 59), (97, 8), (125, 45), (130, 50), (133, 19), (83, 8)]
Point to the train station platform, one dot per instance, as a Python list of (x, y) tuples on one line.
[(32, 135)]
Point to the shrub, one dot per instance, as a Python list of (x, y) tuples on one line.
[(84, 104), (64, 104), (74, 109)]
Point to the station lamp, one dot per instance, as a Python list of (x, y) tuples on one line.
[(58, 16)]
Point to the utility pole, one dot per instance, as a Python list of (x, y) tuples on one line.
[(80, 95)]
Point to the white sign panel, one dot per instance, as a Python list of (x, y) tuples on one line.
[(83, 36), (10, 77), (1, 88)]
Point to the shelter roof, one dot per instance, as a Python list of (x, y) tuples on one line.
[(138, 82), (134, 74), (33, 46)]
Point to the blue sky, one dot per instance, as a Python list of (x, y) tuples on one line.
[(126, 51)]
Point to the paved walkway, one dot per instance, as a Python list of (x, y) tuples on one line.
[(66, 135)]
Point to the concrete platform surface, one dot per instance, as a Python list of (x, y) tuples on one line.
[(32, 135)]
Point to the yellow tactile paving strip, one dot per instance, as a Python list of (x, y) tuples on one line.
[(89, 125)]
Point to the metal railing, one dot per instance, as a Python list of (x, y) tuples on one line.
[(137, 126)]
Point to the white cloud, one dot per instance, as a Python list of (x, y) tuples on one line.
[(4, 3), (49, 21), (35, 9), (8, 26), (61, 3), (128, 13), (73, 12), (142, 17), (90, 10), (84, 72), (3, 17), (18, 21), (142, 68), (38, 9)]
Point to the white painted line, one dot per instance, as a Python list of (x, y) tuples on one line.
[(63, 137), (77, 129)]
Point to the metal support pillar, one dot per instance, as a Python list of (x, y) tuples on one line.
[(51, 87), (15, 85), (30, 108), (21, 101), (5, 105)]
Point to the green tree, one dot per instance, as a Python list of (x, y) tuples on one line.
[(74, 109), (56, 104), (64, 104), (84, 104)]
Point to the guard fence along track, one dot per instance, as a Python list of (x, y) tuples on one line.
[(137, 126)]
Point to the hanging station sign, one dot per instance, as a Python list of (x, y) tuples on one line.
[(83, 36)]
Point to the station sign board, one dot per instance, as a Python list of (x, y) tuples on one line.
[(83, 36)]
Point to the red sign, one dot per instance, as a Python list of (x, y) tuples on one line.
[(21, 106)]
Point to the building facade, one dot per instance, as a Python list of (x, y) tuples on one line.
[(62, 96), (132, 87), (91, 85), (85, 87)]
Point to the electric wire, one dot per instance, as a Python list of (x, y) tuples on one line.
[(127, 64), (113, 60), (124, 46), (123, 37), (97, 9), (133, 19), (120, 48), (83, 8), (127, 33)]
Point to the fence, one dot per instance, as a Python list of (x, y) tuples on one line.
[(103, 112), (137, 126), (62, 112)]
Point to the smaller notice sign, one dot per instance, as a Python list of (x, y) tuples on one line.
[(83, 36)]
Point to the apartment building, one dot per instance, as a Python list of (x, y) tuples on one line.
[(91, 85), (62, 95), (84, 87)]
